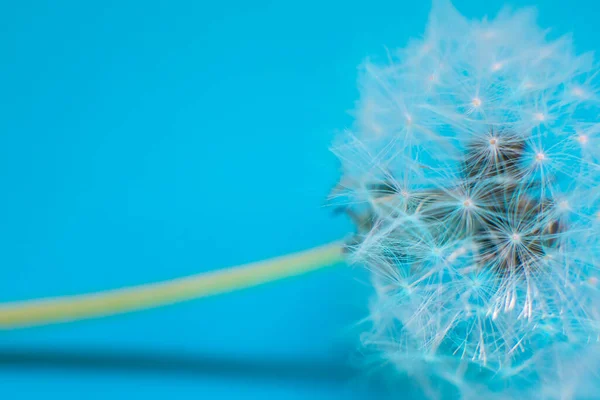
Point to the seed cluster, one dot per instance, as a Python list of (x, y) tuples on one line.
[(510, 221)]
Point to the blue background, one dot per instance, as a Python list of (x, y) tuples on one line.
[(141, 141)]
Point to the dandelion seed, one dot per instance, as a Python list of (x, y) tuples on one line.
[(578, 92), (528, 85), (583, 139)]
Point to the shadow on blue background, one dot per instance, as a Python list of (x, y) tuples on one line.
[(142, 141)]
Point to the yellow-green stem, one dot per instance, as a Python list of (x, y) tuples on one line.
[(71, 308)]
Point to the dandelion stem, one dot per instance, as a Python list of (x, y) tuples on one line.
[(100, 304)]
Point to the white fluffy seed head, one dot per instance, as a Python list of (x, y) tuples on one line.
[(473, 166)]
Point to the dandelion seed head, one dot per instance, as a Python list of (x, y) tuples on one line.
[(472, 173)]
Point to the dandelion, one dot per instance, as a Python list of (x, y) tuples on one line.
[(472, 176), (484, 247)]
